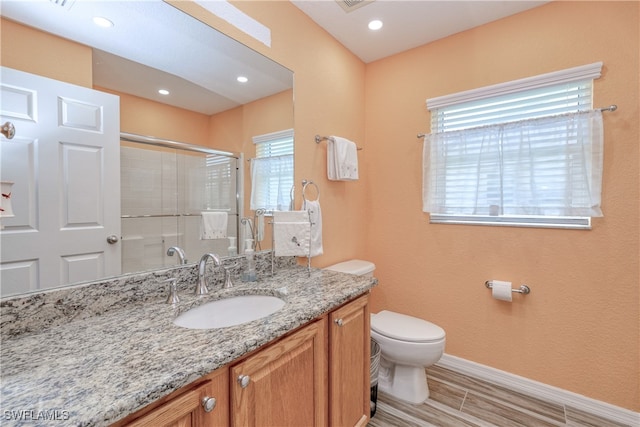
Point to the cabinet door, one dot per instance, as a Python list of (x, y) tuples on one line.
[(188, 408), (284, 384), (349, 383)]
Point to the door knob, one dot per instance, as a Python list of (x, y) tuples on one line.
[(112, 239), (208, 403), (8, 130), (244, 381)]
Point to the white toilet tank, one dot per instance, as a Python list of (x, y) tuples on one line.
[(357, 267)]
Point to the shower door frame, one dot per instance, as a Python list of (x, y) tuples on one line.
[(178, 145)]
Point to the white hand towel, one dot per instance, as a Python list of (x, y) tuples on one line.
[(290, 216), (259, 228), (342, 159), (213, 225), (331, 160), (291, 233), (315, 215)]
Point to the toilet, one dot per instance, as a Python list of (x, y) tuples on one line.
[(408, 345)]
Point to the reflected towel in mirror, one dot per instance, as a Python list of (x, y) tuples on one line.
[(213, 225), (259, 228)]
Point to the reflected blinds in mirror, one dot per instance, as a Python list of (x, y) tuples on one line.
[(272, 171)]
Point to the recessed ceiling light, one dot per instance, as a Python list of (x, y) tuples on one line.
[(102, 22), (242, 79), (376, 24), (163, 92)]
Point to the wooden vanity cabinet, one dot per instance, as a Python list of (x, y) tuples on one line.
[(284, 384), (349, 366), (316, 376), (190, 407)]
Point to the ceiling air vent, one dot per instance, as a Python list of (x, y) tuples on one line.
[(351, 5), (66, 4)]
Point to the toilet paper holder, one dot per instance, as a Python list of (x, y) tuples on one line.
[(523, 289)]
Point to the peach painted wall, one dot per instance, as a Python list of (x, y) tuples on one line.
[(226, 129), (48, 55), (148, 118), (329, 100), (233, 130), (579, 327)]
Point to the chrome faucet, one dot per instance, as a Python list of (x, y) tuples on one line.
[(176, 250), (202, 270), (228, 284)]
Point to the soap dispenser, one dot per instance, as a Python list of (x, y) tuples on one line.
[(249, 274)]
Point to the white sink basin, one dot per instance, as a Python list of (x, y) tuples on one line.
[(229, 312)]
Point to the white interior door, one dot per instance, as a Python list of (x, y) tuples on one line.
[(65, 162)]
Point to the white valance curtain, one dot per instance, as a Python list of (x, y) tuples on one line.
[(271, 181), (550, 166)]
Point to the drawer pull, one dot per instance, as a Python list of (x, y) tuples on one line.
[(244, 380), (208, 403)]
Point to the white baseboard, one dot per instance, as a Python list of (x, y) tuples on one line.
[(540, 390)]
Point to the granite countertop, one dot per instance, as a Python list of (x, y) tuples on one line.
[(94, 368)]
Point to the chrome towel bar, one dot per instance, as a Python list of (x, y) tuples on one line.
[(319, 139)]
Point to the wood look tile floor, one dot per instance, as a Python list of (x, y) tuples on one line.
[(459, 401)]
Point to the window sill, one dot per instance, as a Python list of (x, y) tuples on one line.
[(572, 223)]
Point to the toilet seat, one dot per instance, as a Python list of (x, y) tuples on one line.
[(406, 328)]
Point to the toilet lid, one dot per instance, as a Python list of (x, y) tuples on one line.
[(354, 266), (406, 328)]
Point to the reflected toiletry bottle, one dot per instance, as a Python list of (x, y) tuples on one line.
[(232, 249), (249, 274)]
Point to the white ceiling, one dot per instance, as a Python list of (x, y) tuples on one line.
[(407, 23), (153, 45)]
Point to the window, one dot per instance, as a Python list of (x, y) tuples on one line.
[(525, 153), (220, 177), (272, 171)]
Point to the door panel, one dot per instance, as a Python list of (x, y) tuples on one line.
[(286, 382), (65, 162), (83, 195)]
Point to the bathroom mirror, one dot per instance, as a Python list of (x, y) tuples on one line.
[(151, 44)]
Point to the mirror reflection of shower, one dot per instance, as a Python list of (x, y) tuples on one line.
[(166, 188)]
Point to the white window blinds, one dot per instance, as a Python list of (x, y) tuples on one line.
[(523, 153), (272, 171), (531, 104), (220, 177)]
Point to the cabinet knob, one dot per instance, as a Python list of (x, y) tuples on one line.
[(208, 403), (338, 322), (244, 380)]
